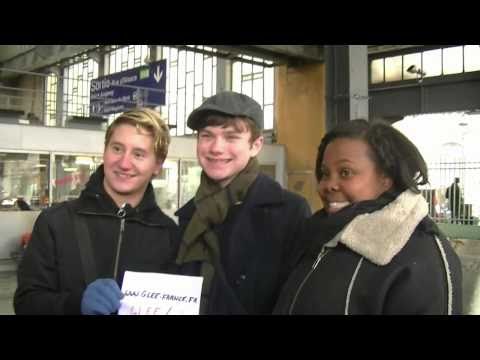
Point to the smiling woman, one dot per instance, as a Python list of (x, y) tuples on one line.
[(373, 248)]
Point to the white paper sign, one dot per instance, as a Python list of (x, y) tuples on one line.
[(160, 294)]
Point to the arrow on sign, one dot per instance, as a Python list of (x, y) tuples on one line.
[(158, 74)]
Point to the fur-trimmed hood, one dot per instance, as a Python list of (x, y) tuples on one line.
[(380, 235)]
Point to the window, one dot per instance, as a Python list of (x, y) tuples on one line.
[(124, 58), (432, 62), (76, 88), (393, 68), (258, 82), (191, 78), (453, 60), (23, 181), (51, 100), (376, 71), (472, 57), (437, 62), (409, 60), (165, 187), (71, 174)]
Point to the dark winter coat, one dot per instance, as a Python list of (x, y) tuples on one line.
[(391, 261), (50, 276), (259, 243)]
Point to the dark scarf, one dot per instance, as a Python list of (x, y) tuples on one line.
[(324, 226), (212, 202)]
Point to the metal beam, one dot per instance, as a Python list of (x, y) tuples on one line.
[(279, 54), (10, 51), (43, 55)]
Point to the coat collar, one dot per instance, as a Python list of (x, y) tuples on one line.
[(263, 191), (94, 199), (380, 235)]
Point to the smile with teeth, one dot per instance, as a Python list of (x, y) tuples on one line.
[(219, 161), (337, 205), (123, 175)]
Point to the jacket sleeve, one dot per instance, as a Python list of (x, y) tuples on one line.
[(426, 286), (298, 240), (39, 290)]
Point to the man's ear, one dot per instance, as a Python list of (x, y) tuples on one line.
[(257, 145), (158, 166)]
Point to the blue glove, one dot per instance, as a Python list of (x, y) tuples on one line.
[(101, 297)]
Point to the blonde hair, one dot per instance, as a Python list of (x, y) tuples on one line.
[(148, 120)]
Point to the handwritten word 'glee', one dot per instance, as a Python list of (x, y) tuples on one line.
[(160, 296)]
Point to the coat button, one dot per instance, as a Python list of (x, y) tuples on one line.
[(240, 279)]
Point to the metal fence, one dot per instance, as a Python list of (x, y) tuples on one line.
[(453, 193)]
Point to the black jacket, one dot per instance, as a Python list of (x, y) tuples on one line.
[(392, 261), (259, 242), (50, 276)]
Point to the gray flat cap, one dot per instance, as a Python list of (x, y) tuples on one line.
[(228, 103)]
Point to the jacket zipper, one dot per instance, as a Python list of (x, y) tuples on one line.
[(320, 256), (121, 214)]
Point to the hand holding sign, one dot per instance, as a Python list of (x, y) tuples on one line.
[(101, 297), (160, 294)]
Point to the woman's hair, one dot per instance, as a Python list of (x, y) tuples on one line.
[(219, 119), (392, 152), (148, 120)]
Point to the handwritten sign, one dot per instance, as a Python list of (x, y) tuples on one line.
[(160, 294)]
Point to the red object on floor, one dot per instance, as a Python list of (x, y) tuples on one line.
[(25, 239)]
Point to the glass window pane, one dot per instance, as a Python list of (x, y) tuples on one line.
[(409, 60), (70, 175), (181, 112), (189, 94), (23, 181), (189, 180), (190, 57), (472, 57), (268, 117), (376, 70), (246, 68), (453, 60), (198, 68), (269, 85), (237, 76), (247, 88), (207, 79), (165, 187), (181, 69), (257, 91), (393, 68), (432, 62)]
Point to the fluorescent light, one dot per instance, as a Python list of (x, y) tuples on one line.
[(83, 160)]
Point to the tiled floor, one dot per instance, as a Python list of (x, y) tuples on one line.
[(8, 284)]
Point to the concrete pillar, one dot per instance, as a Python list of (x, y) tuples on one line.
[(224, 75), (300, 124)]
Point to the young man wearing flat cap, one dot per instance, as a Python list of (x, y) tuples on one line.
[(241, 231)]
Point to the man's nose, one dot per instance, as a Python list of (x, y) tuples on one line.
[(217, 145), (125, 161)]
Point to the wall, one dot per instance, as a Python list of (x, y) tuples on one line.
[(300, 120)]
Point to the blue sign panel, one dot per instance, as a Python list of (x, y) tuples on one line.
[(142, 86)]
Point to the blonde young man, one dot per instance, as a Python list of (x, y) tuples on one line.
[(241, 231), (80, 249)]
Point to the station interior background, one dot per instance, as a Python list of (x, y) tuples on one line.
[(51, 138)]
